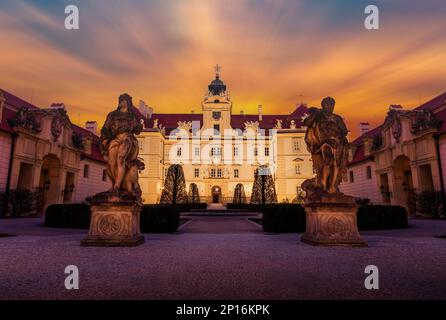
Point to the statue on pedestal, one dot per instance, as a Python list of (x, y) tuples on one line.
[(331, 215), (115, 213), (120, 147)]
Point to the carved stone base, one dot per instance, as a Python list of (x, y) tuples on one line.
[(114, 225), (332, 224)]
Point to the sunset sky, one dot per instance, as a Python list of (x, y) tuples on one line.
[(273, 52)]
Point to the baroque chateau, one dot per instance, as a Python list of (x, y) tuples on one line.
[(43, 152)]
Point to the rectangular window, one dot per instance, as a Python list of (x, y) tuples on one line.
[(219, 173), (104, 175), (197, 151), (140, 144), (179, 152), (213, 173), (352, 178), (369, 172), (197, 173), (296, 144), (266, 151), (215, 151), (235, 173), (235, 151), (86, 170), (256, 151), (298, 169), (216, 129)]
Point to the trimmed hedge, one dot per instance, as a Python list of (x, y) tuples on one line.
[(185, 207), (74, 216), (283, 217), (291, 218), (154, 218), (159, 218), (244, 206), (381, 217)]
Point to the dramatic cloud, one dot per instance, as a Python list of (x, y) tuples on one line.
[(273, 52)]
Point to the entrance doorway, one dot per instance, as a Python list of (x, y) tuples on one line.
[(216, 194), (49, 181), (403, 184)]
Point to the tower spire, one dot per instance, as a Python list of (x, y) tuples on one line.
[(217, 69)]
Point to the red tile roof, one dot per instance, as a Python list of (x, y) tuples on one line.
[(170, 120), (431, 105), (16, 103)]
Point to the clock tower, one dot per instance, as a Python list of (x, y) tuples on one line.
[(217, 106)]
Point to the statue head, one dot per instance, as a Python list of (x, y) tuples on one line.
[(125, 102), (328, 104)]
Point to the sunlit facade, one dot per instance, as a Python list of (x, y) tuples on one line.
[(219, 150)]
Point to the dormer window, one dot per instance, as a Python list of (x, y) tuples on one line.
[(216, 101)]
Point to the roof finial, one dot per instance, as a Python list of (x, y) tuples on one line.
[(217, 69)]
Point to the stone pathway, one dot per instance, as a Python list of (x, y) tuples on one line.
[(222, 258)]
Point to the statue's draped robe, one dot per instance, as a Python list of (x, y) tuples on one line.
[(327, 132), (120, 128)]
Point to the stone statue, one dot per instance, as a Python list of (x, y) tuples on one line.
[(120, 147), (115, 214), (330, 214), (326, 139)]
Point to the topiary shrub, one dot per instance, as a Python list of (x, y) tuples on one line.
[(430, 204), (74, 215), (284, 217), (159, 218), (381, 217)]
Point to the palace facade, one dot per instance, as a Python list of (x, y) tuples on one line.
[(219, 150), (44, 153), (404, 156)]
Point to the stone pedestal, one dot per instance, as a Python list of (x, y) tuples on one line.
[(114, 223), (332, 224)]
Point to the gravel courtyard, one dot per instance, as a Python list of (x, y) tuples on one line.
[(221, 258)]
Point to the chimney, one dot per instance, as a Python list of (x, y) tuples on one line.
[(395, 107), (260, 109), (92, 126), (58, 105), (143, 108), (364, 127)]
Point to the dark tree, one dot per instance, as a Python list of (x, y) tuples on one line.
[(194, 195), (263, 190), (174, 190), (239, 194)]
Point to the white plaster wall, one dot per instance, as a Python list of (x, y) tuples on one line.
[(5, 150), (362, 187), (87, 187)]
